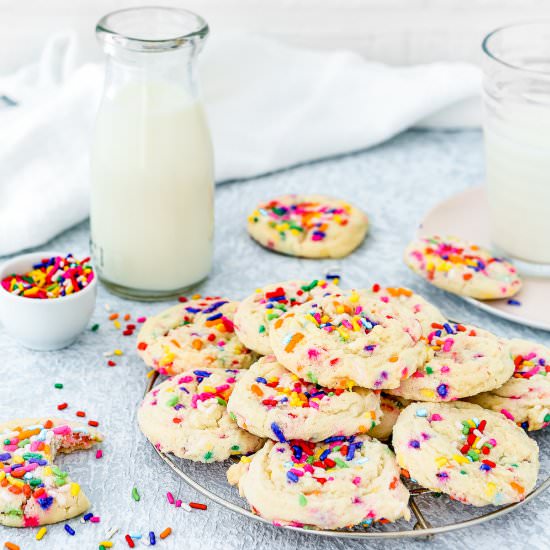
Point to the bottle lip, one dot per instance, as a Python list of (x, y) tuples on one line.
[(151, 29)]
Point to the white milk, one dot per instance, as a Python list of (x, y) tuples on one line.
[(152, 213), (517, 150)]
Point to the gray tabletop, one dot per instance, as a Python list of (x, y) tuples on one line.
[(396, 183)]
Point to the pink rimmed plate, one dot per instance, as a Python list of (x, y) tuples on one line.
[(465, 215)]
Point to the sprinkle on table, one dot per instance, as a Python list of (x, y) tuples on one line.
[(62, 406), (11, 546), (130, 541), (198, 506), (58, 386), (135, 494), (166, 533), (51, 278), (69, 530), (514, 302), (41, 532)]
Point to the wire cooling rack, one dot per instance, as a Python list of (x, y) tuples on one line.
[(432, 513)]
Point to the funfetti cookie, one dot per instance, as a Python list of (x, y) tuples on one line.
[(525, 398), (187, 416), (270, 401), (33, 490), (474, 455), (349, 340), (391, 407), (461, 267), (311, 226), (342, 482), (193, 334), (256, 313), (422, 310), (465, 360)]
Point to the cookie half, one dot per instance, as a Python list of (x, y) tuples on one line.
[(474, 455), (33, 490), (310, 226), (338, 483)]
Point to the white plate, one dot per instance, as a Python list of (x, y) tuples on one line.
[(465, 215)]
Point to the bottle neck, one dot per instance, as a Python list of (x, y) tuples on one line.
[(175, 67)]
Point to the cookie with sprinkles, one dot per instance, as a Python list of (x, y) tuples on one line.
[(310, 226), (340, 482), (256, 313), (391, 407), (33, 490), (525, 398), (474, 455), (197, 333), (350, 339), (270, 401), (464, 361), (422, 310), (462, 267), (187, 415)]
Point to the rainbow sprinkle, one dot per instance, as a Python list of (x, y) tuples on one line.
[(51, 278)]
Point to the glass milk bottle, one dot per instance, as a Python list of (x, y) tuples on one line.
[(152, 214)]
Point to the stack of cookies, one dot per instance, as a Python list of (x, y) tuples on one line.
[(303, 380)]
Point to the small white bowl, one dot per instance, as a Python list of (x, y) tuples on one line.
[(44, 324)]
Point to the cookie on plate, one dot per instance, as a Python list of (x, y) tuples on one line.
[(344, 481), (33, 490), (425, 312), (525, 398), (187, 416), (270, 401), (196, 333), (350, 339), (391, 407), (474, 455), (465, 360), (310, 226), (461, 267), (256, 313)]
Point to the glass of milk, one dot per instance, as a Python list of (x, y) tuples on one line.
[(517, 142), (152, 215)]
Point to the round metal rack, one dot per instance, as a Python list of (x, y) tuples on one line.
[(432, 513)]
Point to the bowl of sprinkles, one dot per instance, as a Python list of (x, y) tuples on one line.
[(46, 298)]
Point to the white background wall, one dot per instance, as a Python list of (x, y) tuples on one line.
[(394, 31)]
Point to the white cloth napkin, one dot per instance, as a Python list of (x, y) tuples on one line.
[(269, 105)]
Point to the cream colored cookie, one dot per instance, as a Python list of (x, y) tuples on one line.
[(474, 455), (33, 490), (425, 312), (256, 313), (461, 267), (338, 483), (391, 407), (311, 226), (349, 340), (525, 398), (194, 334), (270, 401), (465, 360), (187, 415)]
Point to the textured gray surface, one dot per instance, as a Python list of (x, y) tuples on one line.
[(396, 184)]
